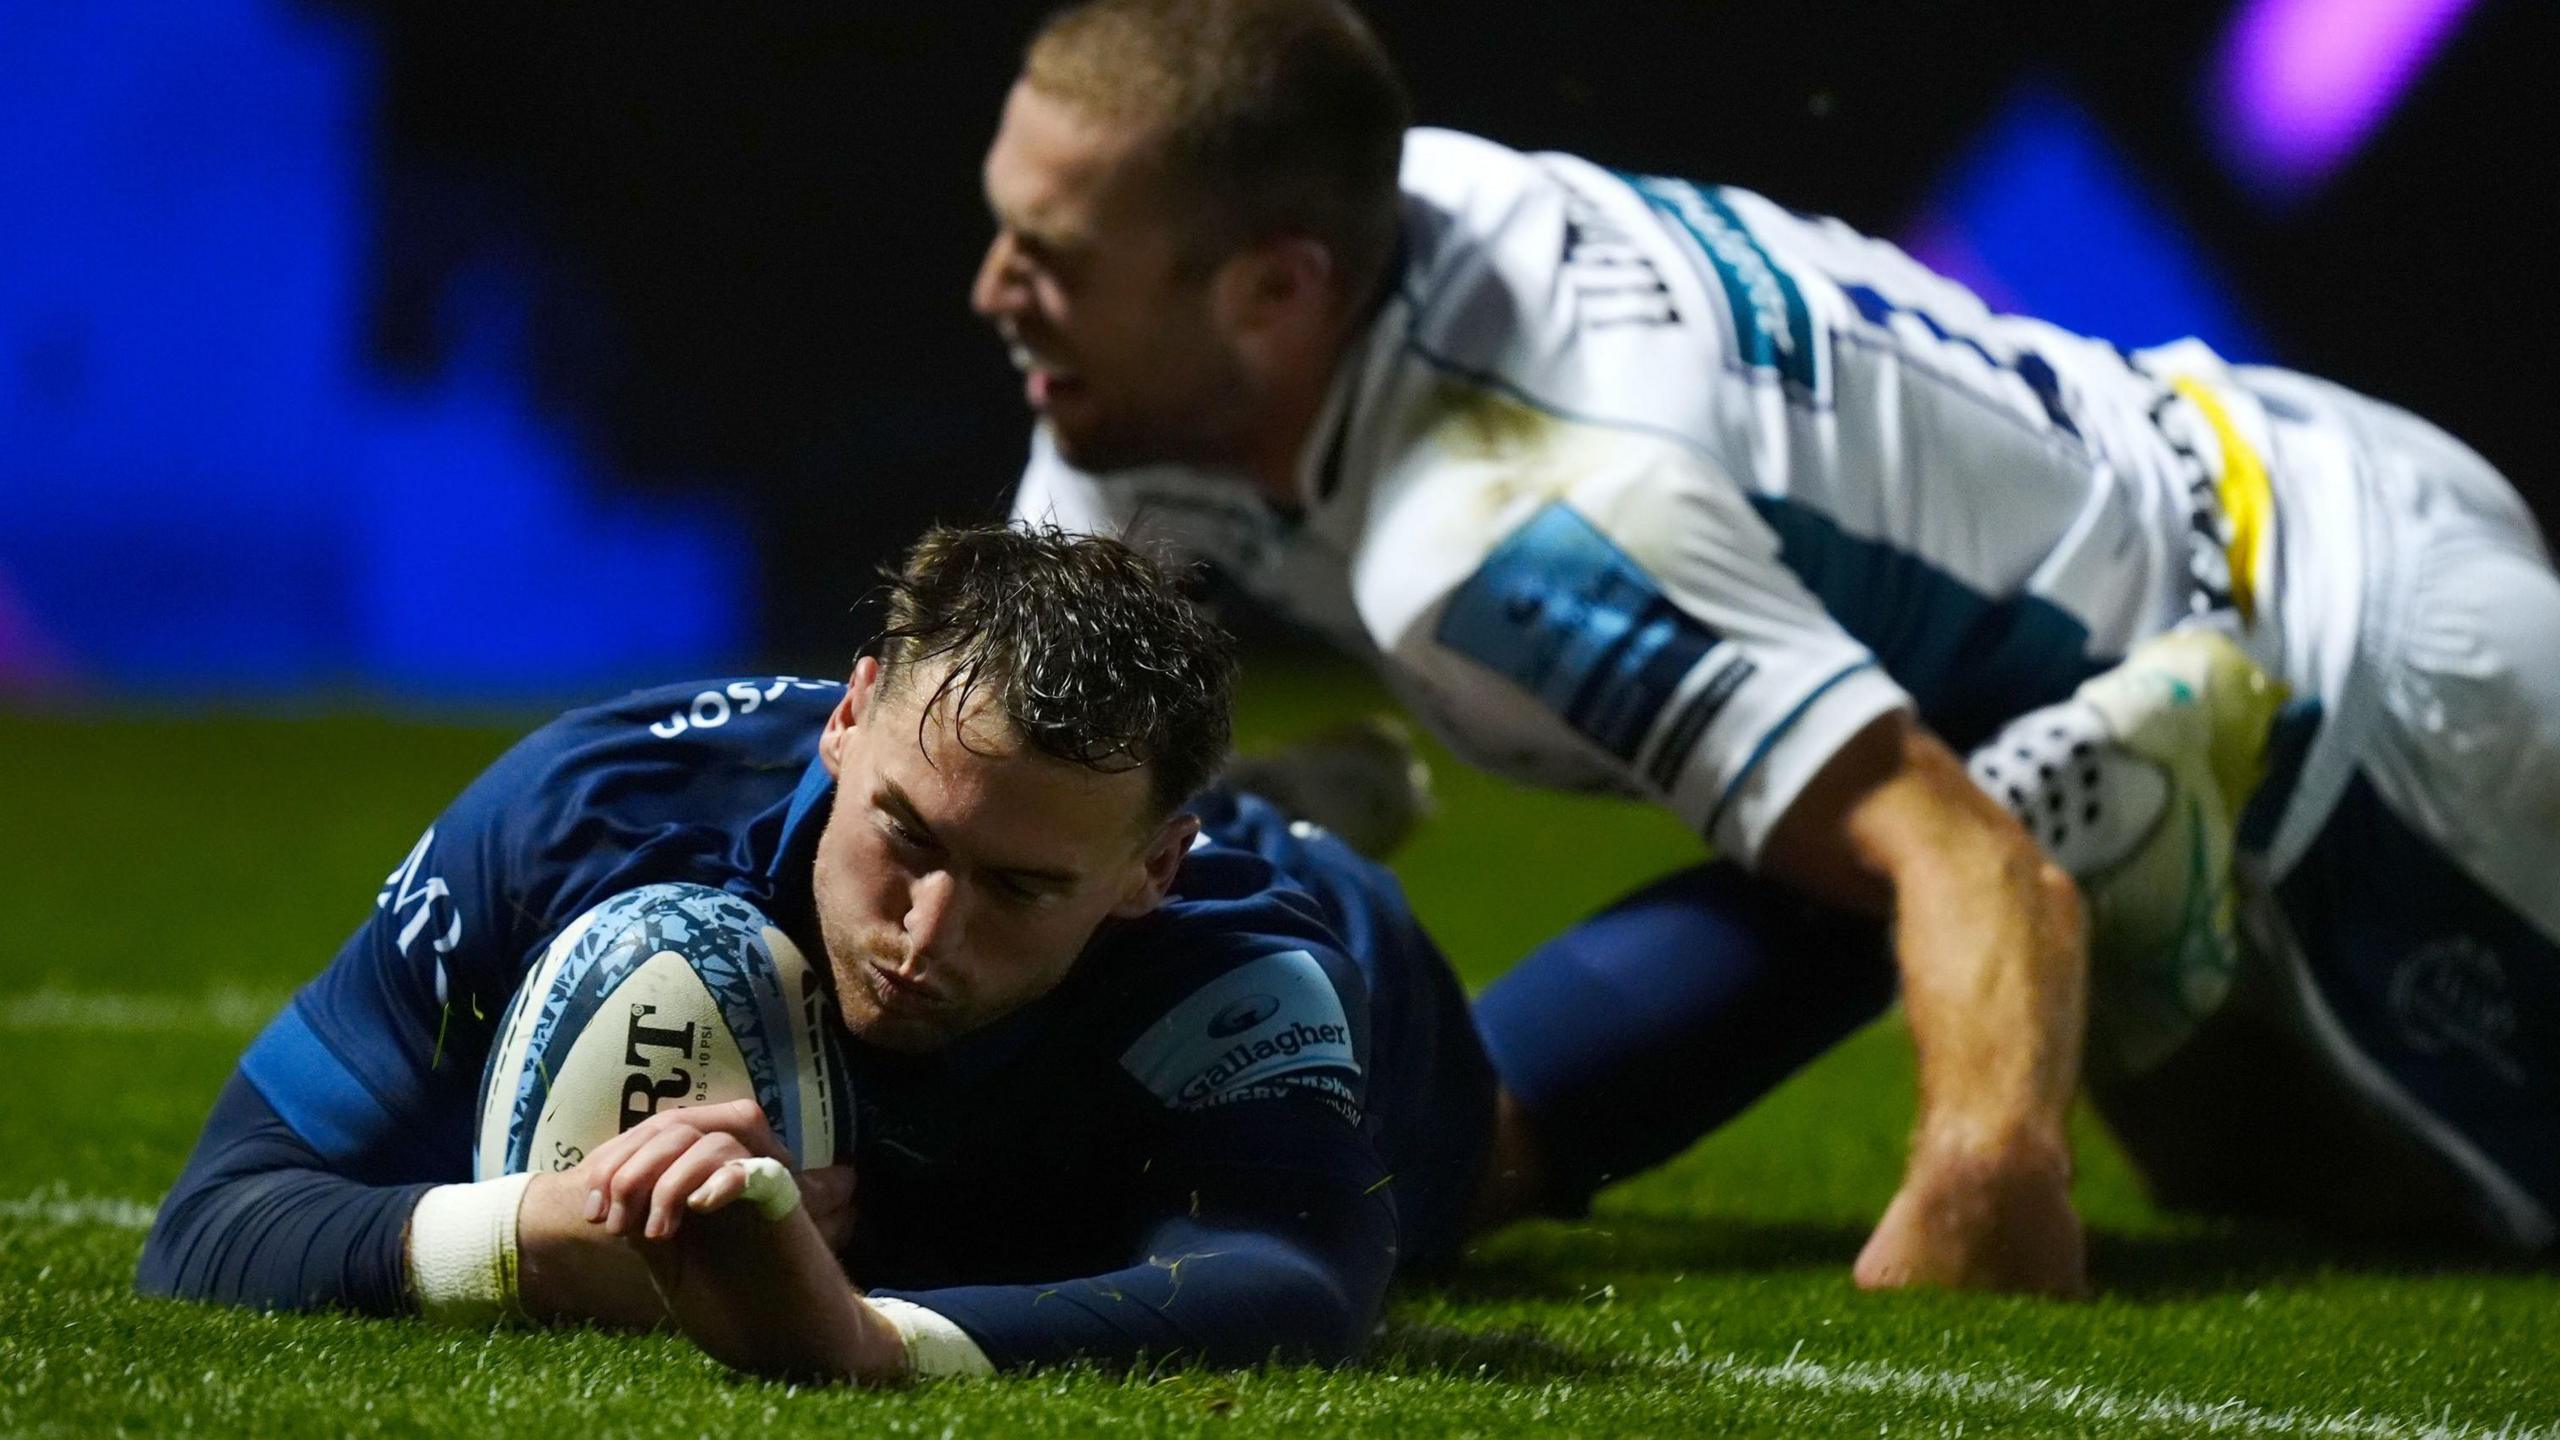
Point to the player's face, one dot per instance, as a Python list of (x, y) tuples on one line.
[(1122, 347), (958, 881)]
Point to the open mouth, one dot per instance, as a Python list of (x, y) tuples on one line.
[(1044, 379)]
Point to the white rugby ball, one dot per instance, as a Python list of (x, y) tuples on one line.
[(662, 997)]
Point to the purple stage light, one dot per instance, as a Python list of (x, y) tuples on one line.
[(28, 663), (2299, 85)]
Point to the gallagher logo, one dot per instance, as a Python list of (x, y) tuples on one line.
[(1243, 1015)]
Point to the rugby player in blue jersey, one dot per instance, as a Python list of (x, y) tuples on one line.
[(1633, 484), (1047, 954)]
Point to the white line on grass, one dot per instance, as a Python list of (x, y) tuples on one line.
[(2083, 1403), (226, 1009), (57, 1206)]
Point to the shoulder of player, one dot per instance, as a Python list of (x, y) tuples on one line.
[(1542, 298), (1230, 906), (744, 717), (1257, 1018), (752, 734), (1237, 957), (700, 707)]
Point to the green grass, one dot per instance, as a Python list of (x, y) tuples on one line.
[(199, 868)]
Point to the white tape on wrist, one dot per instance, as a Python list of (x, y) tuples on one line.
[(770, 1187), (462, 1252), (936, 1347)]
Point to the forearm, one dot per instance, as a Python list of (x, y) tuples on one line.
[(259, 1219), (1994, 971), (1989, 937), (1991, 944), (1994, 964), (767, 1299), (570, 1271), (1204, 1294)]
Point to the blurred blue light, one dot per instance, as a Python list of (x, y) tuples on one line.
[(202, 490), (2042, 216)]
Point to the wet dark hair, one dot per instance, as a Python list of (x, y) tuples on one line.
[(1087, 648)]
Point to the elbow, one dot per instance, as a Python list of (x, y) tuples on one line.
[(164, 1272), (1345, 1334), (1304, 1311), (1335, 1318)]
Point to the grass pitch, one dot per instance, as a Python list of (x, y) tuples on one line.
[(165, 883)]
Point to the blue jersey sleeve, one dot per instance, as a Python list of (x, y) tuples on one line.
[(1263, 1223), (1272, 1237), (359, 1096), (376, 1063), (260, 1218)]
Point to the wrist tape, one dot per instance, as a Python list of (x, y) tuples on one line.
[(462, 1252), (936, 1347)]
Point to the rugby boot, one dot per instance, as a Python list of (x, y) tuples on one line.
[(2135, 786)]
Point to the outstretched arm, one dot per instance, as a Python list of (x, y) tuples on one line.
[(1276, 1261), (1991, 942)]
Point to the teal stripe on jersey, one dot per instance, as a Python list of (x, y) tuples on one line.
[(1561, 612), (1771, 325), (313, 1090), (1970, 662)]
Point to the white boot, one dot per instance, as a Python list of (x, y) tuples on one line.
[(2135, 786)]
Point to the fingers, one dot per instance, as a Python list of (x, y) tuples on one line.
[(1977, 1236), (641, 1182), (603, 1160), (745, 1119), (684, 1181), (626, 1191), (717, 1193)]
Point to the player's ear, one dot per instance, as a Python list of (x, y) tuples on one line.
[(1285, 280), (847, 716), (1161, 861)]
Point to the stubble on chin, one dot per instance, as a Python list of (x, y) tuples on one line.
[(1101, 452), (1185, 437)]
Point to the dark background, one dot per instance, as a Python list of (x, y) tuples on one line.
[(734, 241)]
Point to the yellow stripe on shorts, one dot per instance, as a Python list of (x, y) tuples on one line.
[(2248, 497)]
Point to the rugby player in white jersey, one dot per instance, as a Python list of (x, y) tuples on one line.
[(1641, 485)]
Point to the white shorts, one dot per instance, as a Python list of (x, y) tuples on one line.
[(2419, 886)]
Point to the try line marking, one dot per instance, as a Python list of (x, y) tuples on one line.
[(227, 1009), (2083, 1404), (59, 1207)]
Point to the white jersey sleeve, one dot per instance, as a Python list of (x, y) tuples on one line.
[(1631, 630)]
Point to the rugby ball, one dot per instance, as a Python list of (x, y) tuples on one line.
[(662, 997)]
